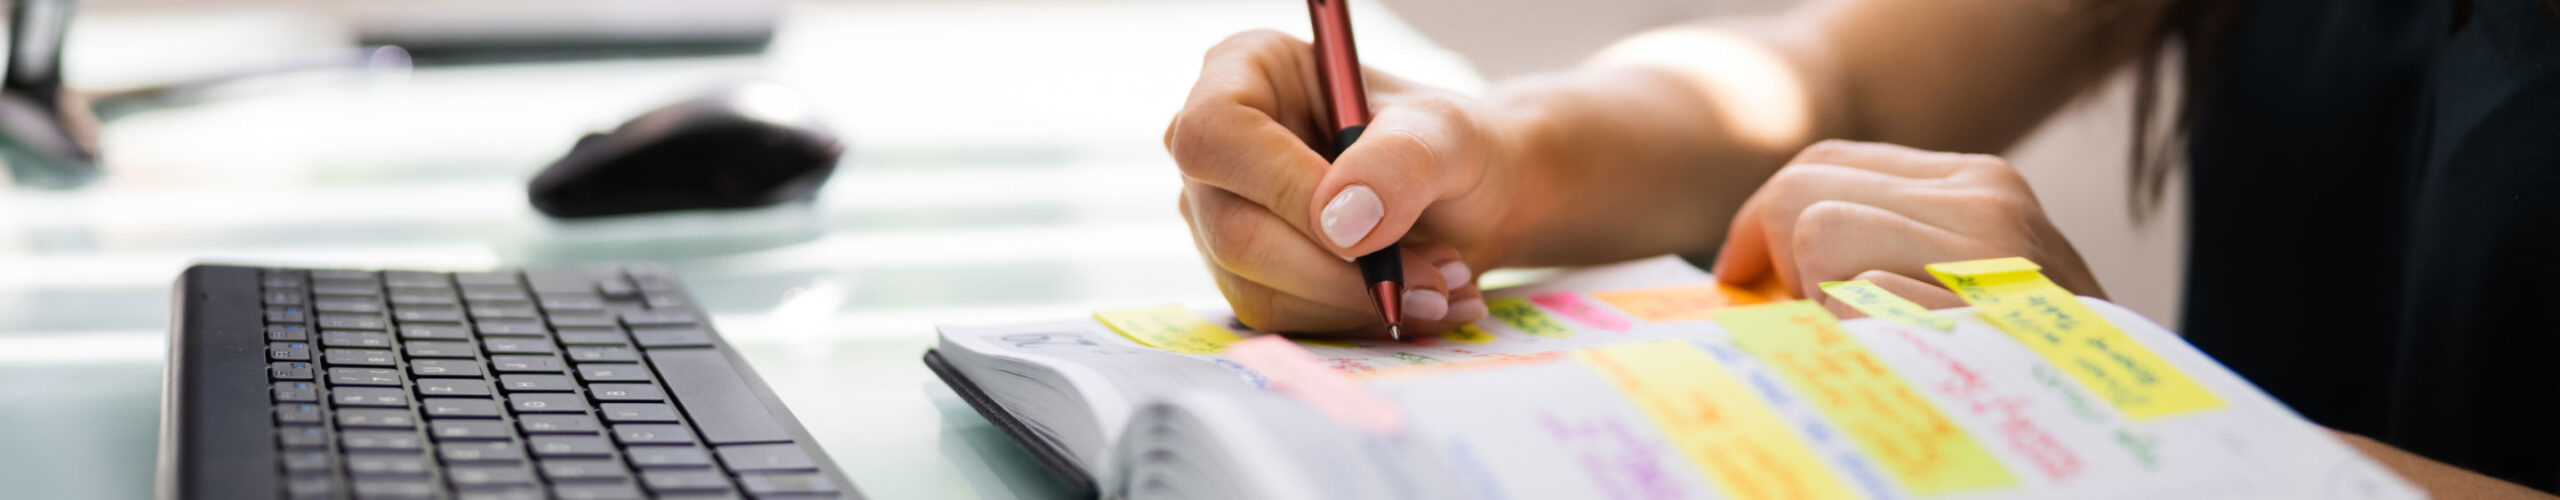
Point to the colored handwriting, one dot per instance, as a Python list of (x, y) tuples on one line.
[(1295, 373), (1879, 411), (1868, 298), (2011, 294), (1680, 303), (1167, 327), (1572, 306), (1714, 421), (1850, 462), (1966, 386), (1625, 465), (1520, 314)]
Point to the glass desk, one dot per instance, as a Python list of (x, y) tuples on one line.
[(1005, 165)]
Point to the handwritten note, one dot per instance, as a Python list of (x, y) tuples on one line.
[(1167, 327), (1468, 333), (1880, 411), (1518, 313), (1296, 373), (1571, 305), (2011, 294), (1868, 298), (1715, 421), (1679, 303)]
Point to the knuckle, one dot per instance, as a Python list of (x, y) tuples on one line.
[(1828, 150), (1251, 42)]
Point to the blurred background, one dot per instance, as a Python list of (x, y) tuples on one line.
[(1003, 163)]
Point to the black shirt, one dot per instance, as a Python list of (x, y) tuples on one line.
[(2375, 192)]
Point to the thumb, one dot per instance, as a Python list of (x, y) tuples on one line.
[(1744, 260), (1411, 156)]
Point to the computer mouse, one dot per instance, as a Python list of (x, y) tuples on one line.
[(742, 146)]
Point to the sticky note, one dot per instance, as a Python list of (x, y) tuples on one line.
[(1167, 327), (2012, 295), (1868, 298), (1679, 303), (1518, 313), (1889, 420), (1571, 305), (1345, 344), (1296, 373), (1468, 333), (1715, 421)]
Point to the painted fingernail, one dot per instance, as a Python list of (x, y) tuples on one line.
[(1467, 310), (1349, 217), (1425, 305), (1456, 274)]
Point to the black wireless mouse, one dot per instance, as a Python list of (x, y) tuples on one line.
[(742, 146)]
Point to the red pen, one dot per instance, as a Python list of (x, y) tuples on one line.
[(1338, 71)]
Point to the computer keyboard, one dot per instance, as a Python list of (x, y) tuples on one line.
[(591, 383)]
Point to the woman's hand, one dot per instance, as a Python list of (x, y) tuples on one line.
[(1279, 225), (1879, 212)]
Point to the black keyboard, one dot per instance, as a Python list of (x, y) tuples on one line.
[(591, 383)]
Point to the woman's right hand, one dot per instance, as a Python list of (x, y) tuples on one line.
[(1279, 225)]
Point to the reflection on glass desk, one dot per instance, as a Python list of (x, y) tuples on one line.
[(1005, 165)]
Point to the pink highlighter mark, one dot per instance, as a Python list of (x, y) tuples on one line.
[(1572, 306), (1298, 374)]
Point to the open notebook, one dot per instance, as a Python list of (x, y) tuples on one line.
[(1645, 380)]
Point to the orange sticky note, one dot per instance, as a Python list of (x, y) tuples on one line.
[(1680, 303), (1296, 373)]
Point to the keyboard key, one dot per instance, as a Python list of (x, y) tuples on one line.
[(389, 489), (358, 357), (344, 288), (385, 397), (571, 446), (485, 278), (401, 297), (445, 368), (298, 413), (592, 336), (668, 457), (786, 484), (584, 319), (407, 314), (355, 339), (294, 392), (415, 279), (526, 492), (354, 306), (512, 328), (715, 398), (526, 364), (684, 480), (487, 476), (468, 430), (613, 372), (690, 336), (585, 354), (301, 436), (341, 274), (555, 303), (311, 487), (453, 387), (289, 370), (378, 440), (306, 460), (286, 314), (353, 321), (387, 465), (766, 458), (617, 287), (460, 408), (439, 349), (546, 403), (287, 332), (517, 345), (481, 311), (639, 413), (378, 377), (480, 451), (558, 424), (614, 491), (641, 434), (284, 297), (664, 300), (434, 332), (289, 351), (376, 418), (625, 392), (568, 469), (536, 383), (670, 317)]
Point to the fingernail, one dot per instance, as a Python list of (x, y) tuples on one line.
[(1456, 274), (1425, 305), (1349, 217), (1467, 310)]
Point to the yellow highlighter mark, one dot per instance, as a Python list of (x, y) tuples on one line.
[(2011, 294), (1468, 333), (1680, 303), (1868, 298), (1715, 421), (1519, 313), (1881, 412), (1167, 327)]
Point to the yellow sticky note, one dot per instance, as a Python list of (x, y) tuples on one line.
[(1716, 421), (1519, 313), (1167, 327), (1680, 303), (1868, 298), (1468, 333), (2011, 294), (1880, 411)]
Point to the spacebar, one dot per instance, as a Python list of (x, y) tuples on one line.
[(716, 397)]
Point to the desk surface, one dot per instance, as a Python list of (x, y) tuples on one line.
[(1005, 166)]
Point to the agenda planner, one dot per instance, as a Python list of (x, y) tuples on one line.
[(1647, 380)]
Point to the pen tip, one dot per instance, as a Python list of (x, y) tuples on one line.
[(1394, 332)]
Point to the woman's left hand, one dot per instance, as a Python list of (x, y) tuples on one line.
[(1878, 212)]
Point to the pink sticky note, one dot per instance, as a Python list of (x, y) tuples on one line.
[(1296, 373), (1572, 306)]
